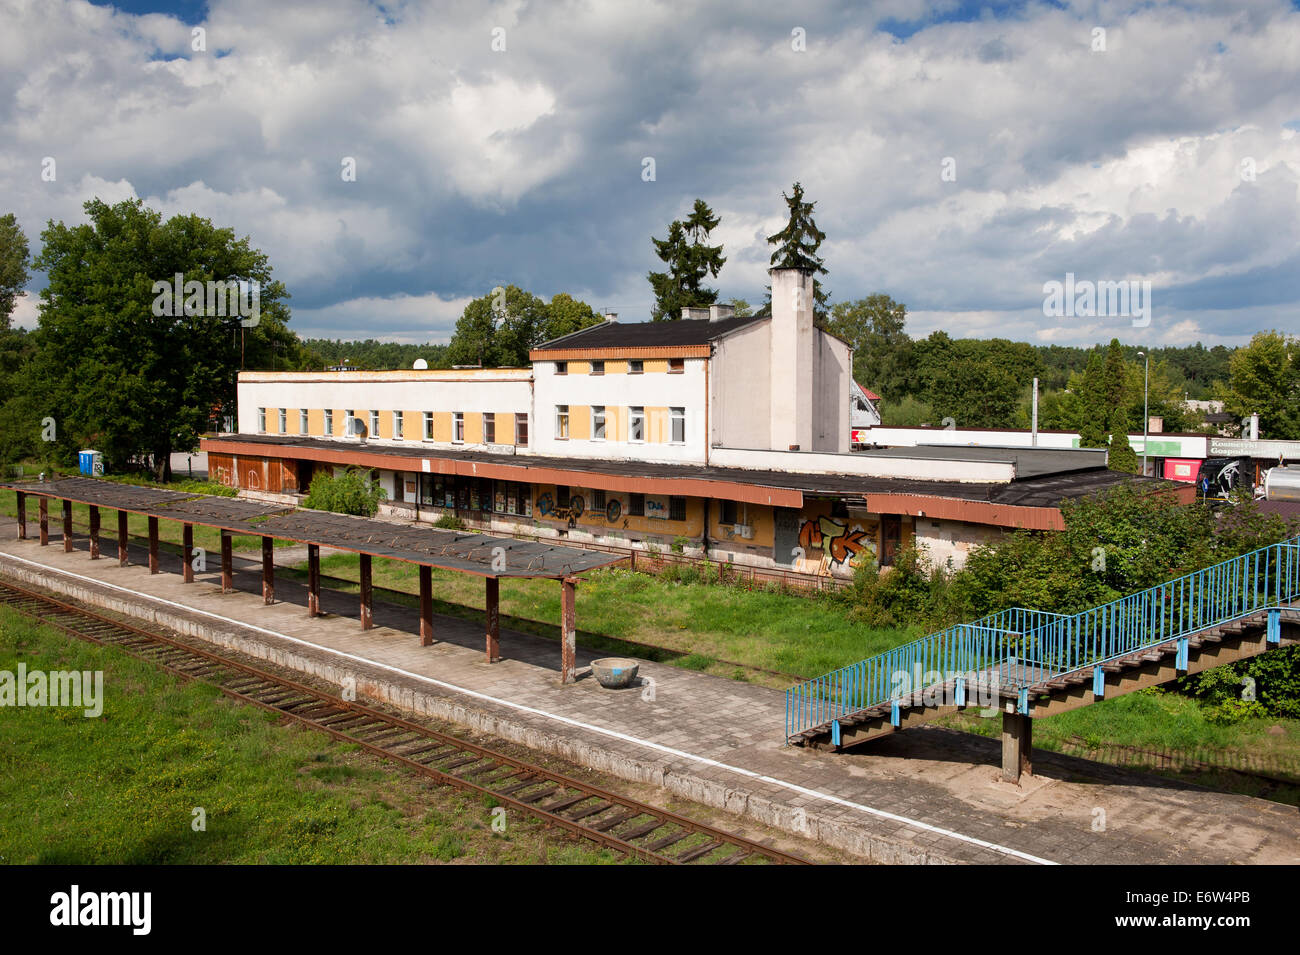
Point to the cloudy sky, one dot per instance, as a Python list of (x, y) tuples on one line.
[(960, 155)]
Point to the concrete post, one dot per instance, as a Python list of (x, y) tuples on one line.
[(313, 580), (187, 552), (94, 532), (153, 545), (21, 500), (568, 630), (493, 605), (121, 538), (268, 571), (43, 508), (67, 527), (367, 594), (227, 563), (1017, 741), (426, 605)]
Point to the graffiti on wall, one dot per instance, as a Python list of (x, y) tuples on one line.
[(546, 507), (614, 510), (834, 539)]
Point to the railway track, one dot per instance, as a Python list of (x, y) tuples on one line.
[(611, 820)]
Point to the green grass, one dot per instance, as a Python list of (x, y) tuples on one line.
[(122, 788), (1167, 722), (702, 625)]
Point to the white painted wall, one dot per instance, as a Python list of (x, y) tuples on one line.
[(1190, 446), (620, 390), (741, 408), (496, 390), (866, 465)]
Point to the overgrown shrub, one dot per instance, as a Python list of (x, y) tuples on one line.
[(450, 522), (349, 492)]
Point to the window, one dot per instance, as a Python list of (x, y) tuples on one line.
[(397, 425), (679, 425), (562, 496), (598, 368), (521, 430), (284, 420), (636, 429), (635, 367), (677, 508), (428, 426), (261, 419), (329, 420), (597, 422), (458, 427), (676, 366), (729, 513), (561, 367), (347, 422), (562, 422), (489, 427), (374, 424), (636, 505), (302, 420), (598, 501)]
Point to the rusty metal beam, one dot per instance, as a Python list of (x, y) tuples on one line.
[(493, 612), (67, 526), (187, 552), (153, 545), (568, 629), (227, 563), (94, 532), (367, 594), (313, 580), (121, 538), (22, 514), (43, 508), (268, 571), (426, 605)]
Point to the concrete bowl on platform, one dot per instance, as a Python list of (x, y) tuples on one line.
[(615, 673)]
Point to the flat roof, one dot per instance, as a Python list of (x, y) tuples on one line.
[(1043, 489), (1029, 462), (449, 550)]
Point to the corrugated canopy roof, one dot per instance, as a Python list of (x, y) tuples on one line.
[(449, 550)]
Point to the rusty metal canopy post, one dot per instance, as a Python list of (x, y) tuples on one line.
[(121, 538), (67, 526), (568, 629), (153, 545), (313, 580), (21, 500), (367, 593), (43, 508), (227, 563), (426, 605), (493, 612), (94, 532), (268, 571), (187, 552)]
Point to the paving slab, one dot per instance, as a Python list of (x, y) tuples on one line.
[(929, 795)]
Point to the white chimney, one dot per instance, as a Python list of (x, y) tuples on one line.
[(718, 313), (792, 359), (689, 313), (611, 316)]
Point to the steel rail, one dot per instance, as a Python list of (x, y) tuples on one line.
[(612, 820)]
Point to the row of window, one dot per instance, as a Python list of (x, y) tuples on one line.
[(489, 423), (511, 497), (635, 366), (635, 423)]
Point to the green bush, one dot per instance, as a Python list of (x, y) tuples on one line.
[(350, 492), (450, 522)]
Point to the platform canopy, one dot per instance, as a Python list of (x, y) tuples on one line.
[(479, 554)]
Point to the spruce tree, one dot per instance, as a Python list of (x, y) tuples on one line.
[(690, 259), (797, 246)]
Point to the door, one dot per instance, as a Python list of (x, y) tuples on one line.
[(785, 536), (891, 532)]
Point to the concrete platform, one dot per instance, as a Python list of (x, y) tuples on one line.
[(925, 796)]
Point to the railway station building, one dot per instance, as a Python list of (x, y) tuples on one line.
[(717, 435)]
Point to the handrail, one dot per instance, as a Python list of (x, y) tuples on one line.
[(1020, 647)]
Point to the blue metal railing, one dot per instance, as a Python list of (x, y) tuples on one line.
[(1017, 648)]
